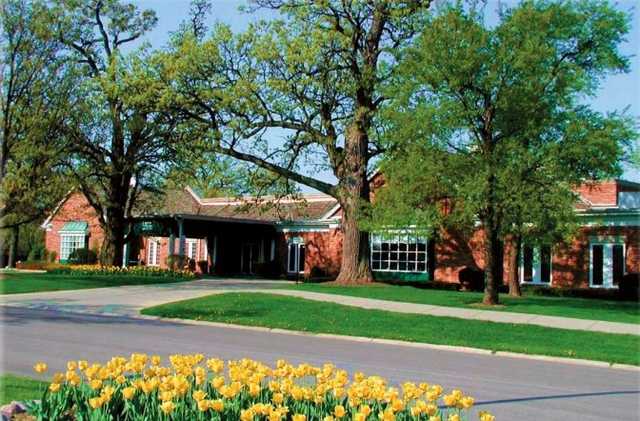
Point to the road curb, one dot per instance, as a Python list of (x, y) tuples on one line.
[(394, 342)]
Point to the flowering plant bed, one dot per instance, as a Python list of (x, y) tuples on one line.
[(194, 388), (122, 271)]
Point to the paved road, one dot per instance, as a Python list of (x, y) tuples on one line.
[(512, 388)]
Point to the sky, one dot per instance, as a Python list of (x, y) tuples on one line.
[(617, 92)]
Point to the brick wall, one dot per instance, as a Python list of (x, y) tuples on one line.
[(75, 208), (323, 250)]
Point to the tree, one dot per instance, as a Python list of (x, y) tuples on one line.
[(313, 79), (35, 98), (488, 124), (121, 140)]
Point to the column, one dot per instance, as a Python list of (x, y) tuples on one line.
[(181, 237)]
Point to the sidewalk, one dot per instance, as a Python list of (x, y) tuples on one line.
[(129, 300), (463, 313)]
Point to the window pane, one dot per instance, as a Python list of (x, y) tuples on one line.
[(301, 258), (545, 265), (618, 263), (527, 258), (596, 264), (292, 258)]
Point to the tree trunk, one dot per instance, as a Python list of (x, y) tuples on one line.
[(3, 247), (492, 261), (13, 246), (114, 234), (354, 191), (514, 279), (355, 267)]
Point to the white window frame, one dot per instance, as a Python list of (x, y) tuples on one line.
[(537, 267), (73, 241), (398, 239), (607, 244), (153, 258), (191, 245), (299, 266)]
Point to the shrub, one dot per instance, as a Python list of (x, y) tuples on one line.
[(471, 279), (53, 256), (589, 293), (203, 266), (89, 270), (629, 287), (83, 256), (177, 262), (36, 253), (191, 387), (38, 265), (268, 269)]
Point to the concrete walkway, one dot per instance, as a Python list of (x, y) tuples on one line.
[(129, 300)]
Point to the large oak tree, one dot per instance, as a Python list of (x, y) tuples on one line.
[(311, 78), (120, 143), (35, 98), (490, 128)]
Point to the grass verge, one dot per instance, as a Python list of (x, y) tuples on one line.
[(579, 308), (16, 388), (268, 310), (17, 283)]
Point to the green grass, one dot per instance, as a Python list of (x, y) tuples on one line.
[(579, 308), (257, 309), (16, 283), (15, 388)]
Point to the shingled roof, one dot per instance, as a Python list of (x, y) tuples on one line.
[(308, 207)]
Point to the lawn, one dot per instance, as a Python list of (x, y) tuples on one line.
[(258, 309), (580, 308), (16, 283), (15, 388)]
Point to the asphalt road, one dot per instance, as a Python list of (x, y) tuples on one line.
[(511, 388)]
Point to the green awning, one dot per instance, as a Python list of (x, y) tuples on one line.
[(75, 227)]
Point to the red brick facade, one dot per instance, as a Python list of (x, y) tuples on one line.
[(74, 208), (602, 220)]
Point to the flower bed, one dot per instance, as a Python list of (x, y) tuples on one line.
[(190, 387), (121, 271)]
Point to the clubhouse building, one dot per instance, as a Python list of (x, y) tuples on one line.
[(302, 237)]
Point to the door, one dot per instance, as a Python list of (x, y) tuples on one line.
[(295, 263), (248, 257)]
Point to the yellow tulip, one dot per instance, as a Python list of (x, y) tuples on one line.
[(167, 407), (217, 405), (40, 367), (54, 387), (96, 403), (298, 417), (339, 411), (486, 416), (128, 392)]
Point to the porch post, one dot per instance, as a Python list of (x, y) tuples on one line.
[(172, 243), (182, 239), (125, 254)]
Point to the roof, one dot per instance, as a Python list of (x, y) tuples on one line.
[(186, 202), (75, 227)]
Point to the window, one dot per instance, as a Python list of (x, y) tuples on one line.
[(535, 265), (607, 263), (399, 253), (71, 242), (296, 254), (192, 249), (153, 255)]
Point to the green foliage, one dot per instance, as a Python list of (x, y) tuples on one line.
[(34, 101), (83, 256), (487, 124)]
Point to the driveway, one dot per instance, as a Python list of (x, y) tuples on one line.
[(129, 300), (512, 388), (98, 324)]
